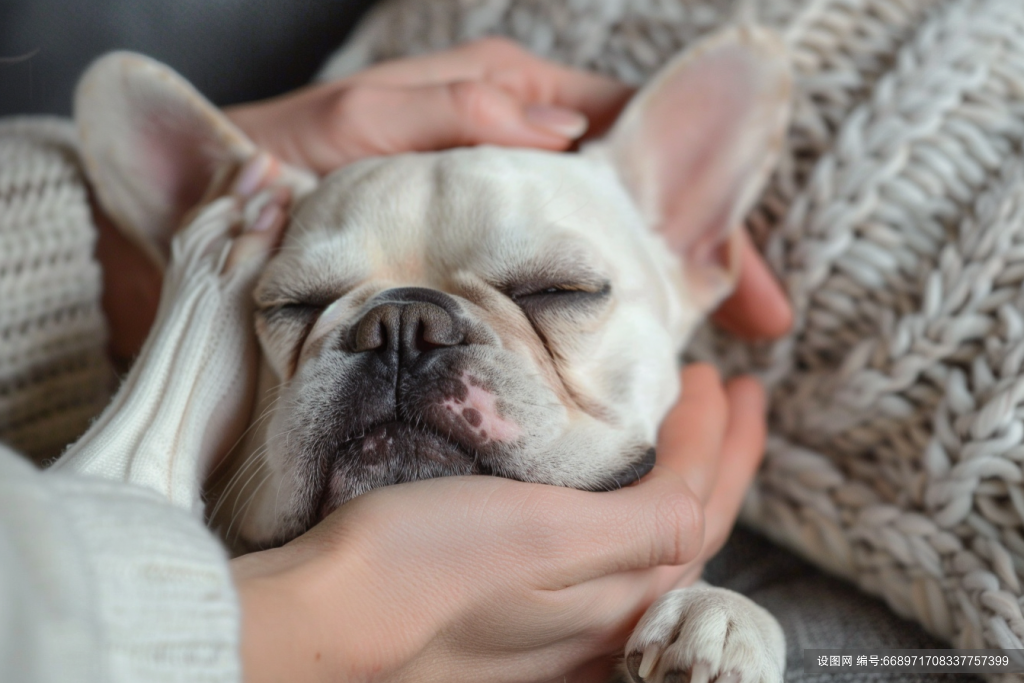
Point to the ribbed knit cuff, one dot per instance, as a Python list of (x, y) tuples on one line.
[(167, 608)]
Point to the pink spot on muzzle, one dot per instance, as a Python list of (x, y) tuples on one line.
[(479, 410)]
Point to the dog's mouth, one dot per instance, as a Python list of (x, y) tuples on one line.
[(398, 451), (393, 452)]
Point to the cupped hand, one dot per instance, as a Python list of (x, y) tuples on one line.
[(489, 91), (480, 578)]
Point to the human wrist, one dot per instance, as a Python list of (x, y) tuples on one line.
[(338, 604), (274, 645), (301, 620)]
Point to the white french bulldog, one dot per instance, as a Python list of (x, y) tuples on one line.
[(496, 311)]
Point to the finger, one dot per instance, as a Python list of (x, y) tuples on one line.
[(742, 451), (575, 536), (504, 63), (758, 308), (612, 601), (569, 536), (652, 583), (262, 229), (741, 455), (610, 606), (255, 175), (598, 98), (690, 440), (369, 121), (691, 434), (243, 180)]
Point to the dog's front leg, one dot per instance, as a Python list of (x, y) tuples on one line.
[(702, 634), (189, 393)]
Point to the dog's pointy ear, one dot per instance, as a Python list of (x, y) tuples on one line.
[(696, 145), (151, 145)]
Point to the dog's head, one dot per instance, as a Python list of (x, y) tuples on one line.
[(485, 310)]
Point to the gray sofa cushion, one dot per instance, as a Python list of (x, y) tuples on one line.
[(817, 610), (233, 50)]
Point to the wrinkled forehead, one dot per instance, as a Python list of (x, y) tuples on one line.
[(421, 218)]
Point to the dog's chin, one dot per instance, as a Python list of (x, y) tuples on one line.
[(392, 453)]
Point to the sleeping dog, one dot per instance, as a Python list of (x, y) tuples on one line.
[(494, 311)]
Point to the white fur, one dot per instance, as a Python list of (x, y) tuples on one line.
[(713, 633)]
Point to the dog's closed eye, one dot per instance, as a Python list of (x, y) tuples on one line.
[(291, 313), (284, 328), (562, 298)]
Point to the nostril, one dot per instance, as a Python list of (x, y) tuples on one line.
[(371, 333), (428, 327), (424, 345)]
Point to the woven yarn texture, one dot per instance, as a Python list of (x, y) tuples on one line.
[(54, 372), (896, 223)]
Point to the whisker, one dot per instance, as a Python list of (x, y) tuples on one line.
[(225, 493), (236, 513), (254, 457), (255, 423)]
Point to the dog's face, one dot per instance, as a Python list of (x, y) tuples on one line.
[(478, 311), (498, 311)]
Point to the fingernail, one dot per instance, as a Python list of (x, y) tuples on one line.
[(268, 216), (254, 206), (557, 120), (252, 175)]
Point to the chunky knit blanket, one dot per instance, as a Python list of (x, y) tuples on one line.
[(54, 372), (896, 222)]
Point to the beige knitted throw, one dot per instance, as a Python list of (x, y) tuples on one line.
[(896, 222), (54, 372)]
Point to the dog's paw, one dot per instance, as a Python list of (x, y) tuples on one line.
[(703, 634)]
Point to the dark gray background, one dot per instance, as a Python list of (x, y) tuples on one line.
[(232, 50)]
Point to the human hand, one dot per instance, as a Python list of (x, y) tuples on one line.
[(489, 91), (489, 579), (758, 308), (714, 438)]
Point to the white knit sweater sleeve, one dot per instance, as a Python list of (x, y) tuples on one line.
[(189, 391), (105, 581)]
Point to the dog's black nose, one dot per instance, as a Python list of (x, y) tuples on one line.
[(407, 323)]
